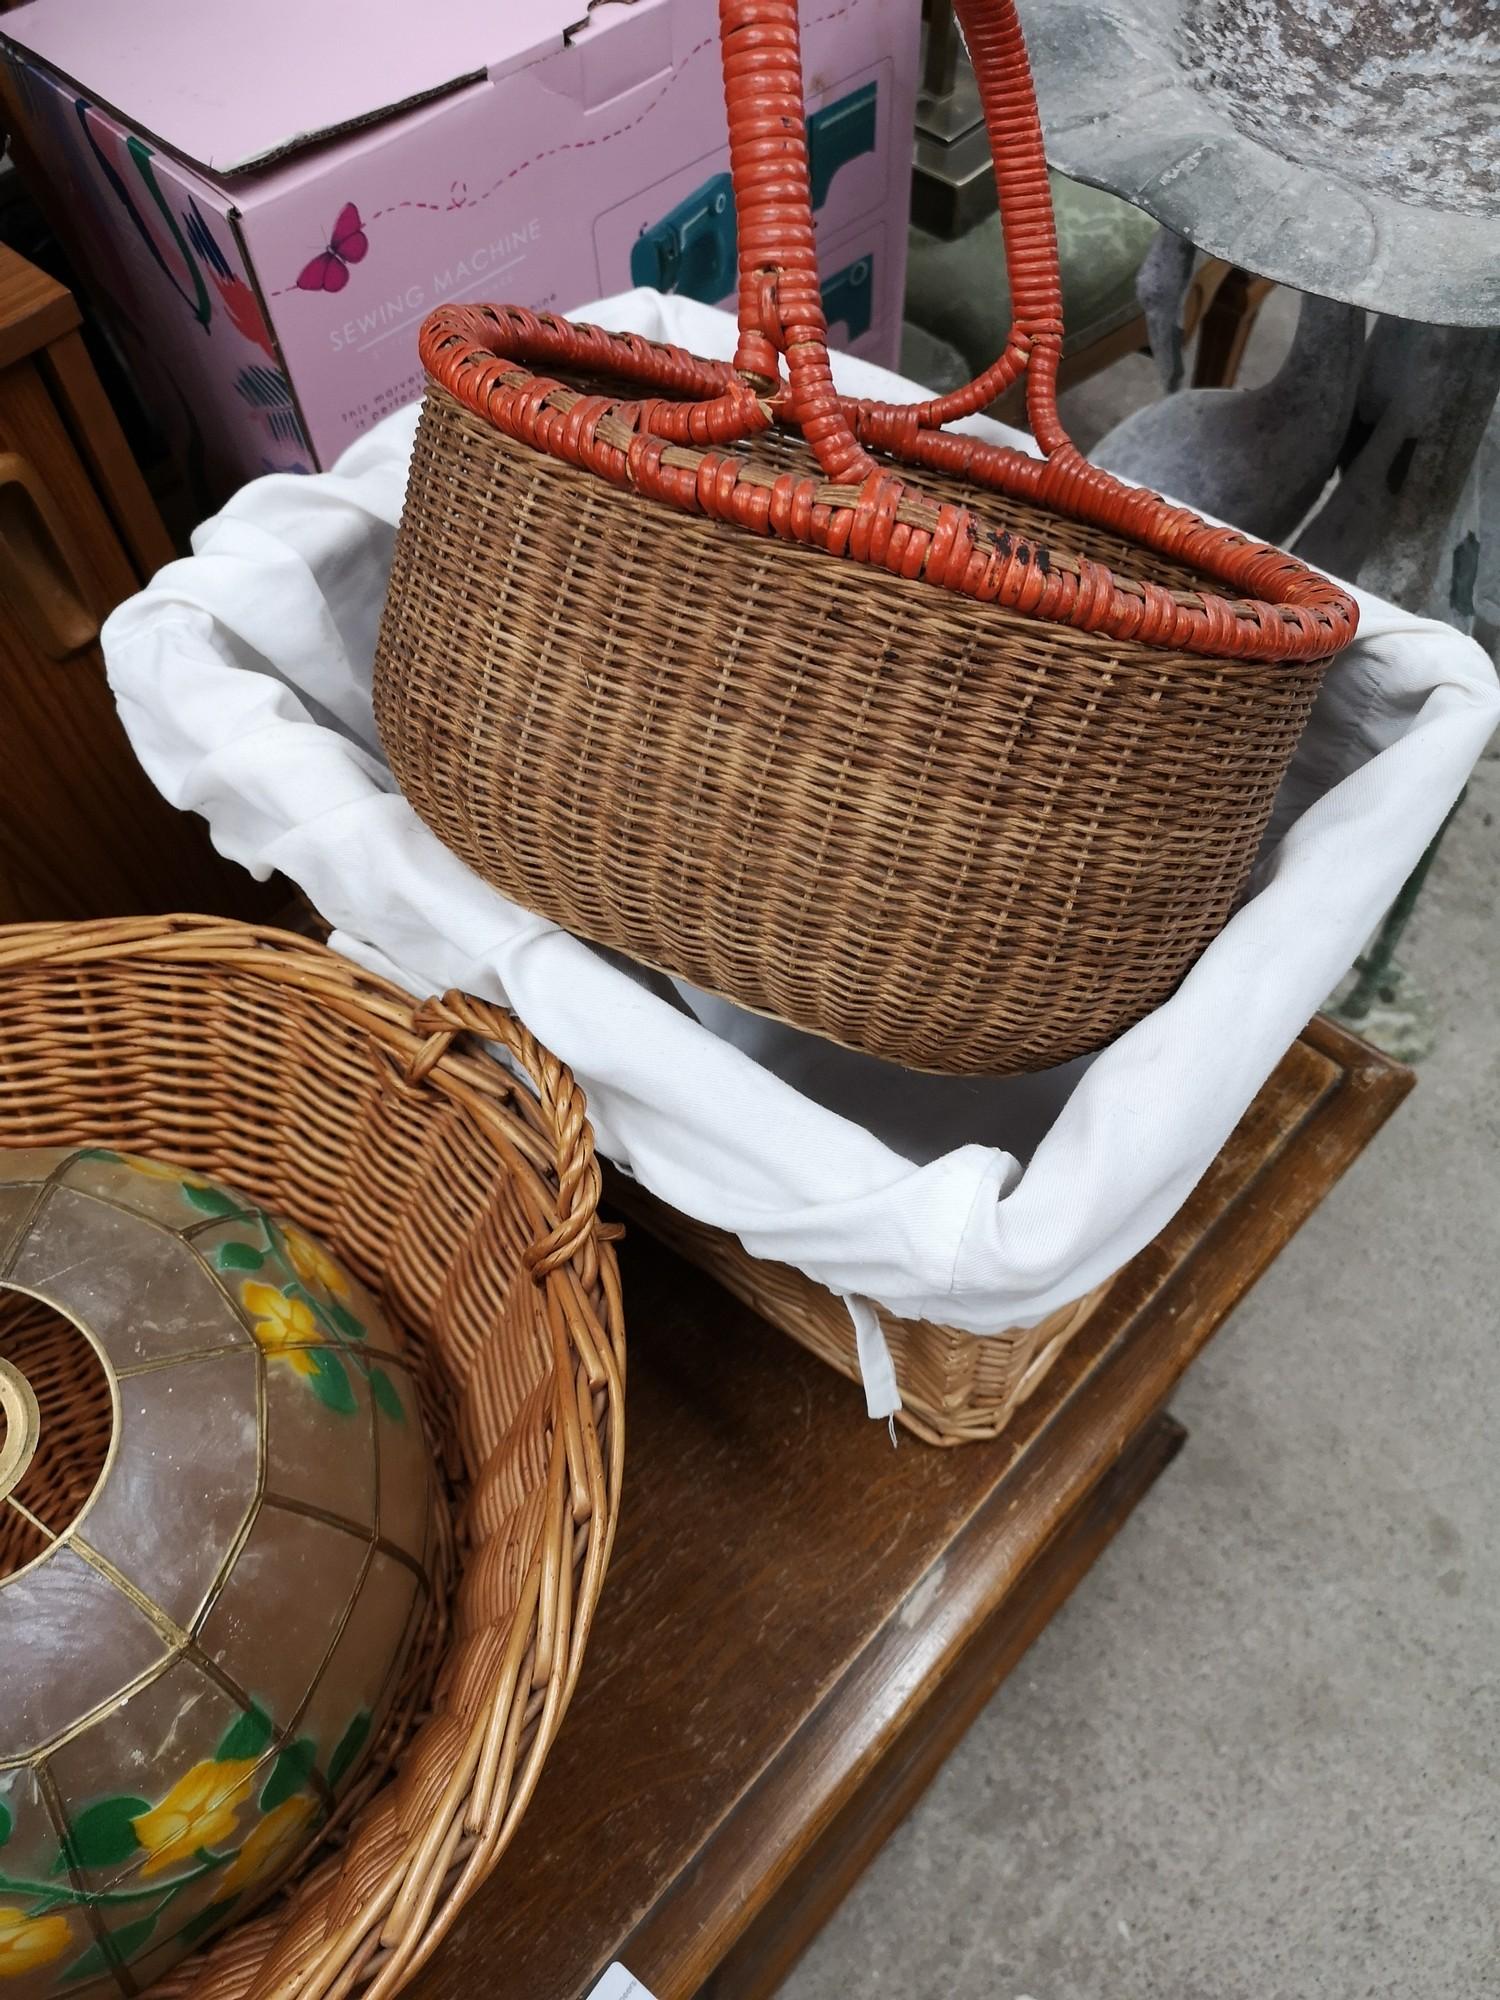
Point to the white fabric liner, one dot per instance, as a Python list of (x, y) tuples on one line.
[(243, 677)]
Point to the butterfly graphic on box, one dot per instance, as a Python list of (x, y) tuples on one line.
[(347, 244)]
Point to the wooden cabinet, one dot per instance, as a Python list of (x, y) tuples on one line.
[(83, 832), (799, 1623)]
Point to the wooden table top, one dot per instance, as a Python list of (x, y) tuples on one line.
[(799, 1621)]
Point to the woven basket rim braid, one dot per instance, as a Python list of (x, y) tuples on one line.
[(448, 1785), (666, 444)]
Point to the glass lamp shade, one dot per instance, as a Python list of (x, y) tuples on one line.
[(216, 1538)]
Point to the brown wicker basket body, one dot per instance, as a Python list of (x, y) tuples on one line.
[(961, 770), (469, 1204), (930, 828), (956, 1388)]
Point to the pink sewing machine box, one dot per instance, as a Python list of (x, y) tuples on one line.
[(266, 199)]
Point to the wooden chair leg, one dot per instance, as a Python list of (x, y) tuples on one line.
[(1220, 308), (1077, 367), (1231, 299)]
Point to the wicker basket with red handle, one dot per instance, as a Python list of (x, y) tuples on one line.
[(678, 654)]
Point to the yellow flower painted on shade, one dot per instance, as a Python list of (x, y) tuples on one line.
[(27, 1942), (199, 1811), (313, 1264), (160, 1170), (269, 1844), (284, 1327)]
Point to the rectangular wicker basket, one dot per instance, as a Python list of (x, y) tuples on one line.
[(1312, 1116), (956, 1388)]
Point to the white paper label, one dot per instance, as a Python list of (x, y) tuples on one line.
[(618, 1984)]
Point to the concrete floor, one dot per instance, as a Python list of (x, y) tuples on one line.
[(1257, 1756)]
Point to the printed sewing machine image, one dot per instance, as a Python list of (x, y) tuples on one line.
[(692, 250)]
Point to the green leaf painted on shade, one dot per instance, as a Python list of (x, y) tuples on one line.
[(99, 1153), (60, 1899), (212, 1200), (93, 1961), (290, 1772), (349, 1746), (129, 1938), (104, 1834), (5, 1824), (126, 1941), (387, 1396), (207, 1920), (238, 1257), (246, 1737), (346, 1322), (329, 1381)]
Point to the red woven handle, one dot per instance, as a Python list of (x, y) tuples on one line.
[(780, 302), (861, 507), (997, 50)]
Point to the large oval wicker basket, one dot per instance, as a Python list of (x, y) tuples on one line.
[(964, 784), (466, 1199)]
